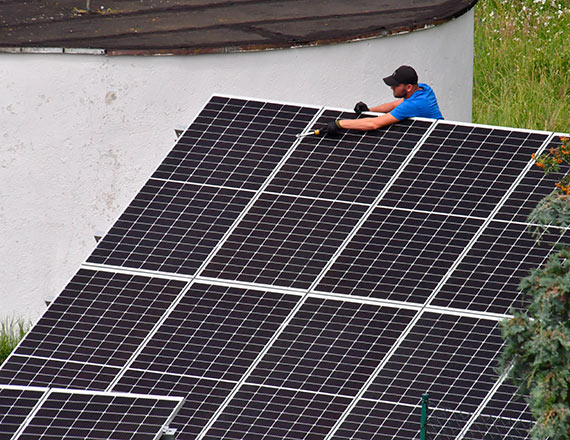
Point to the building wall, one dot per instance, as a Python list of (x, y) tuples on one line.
[(79, 135)]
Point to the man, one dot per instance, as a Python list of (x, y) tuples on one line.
[(414, 100)]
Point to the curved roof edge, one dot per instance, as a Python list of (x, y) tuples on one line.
[(184, 27)]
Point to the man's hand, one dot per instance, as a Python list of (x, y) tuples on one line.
[(360, 107), (331, 130)]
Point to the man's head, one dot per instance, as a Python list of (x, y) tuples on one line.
[(404, 81)]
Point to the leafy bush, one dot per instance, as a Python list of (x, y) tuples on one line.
[(536, 354)]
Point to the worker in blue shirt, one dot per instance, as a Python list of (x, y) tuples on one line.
[(414, 100)]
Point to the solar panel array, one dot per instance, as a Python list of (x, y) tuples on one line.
[(301, 287)]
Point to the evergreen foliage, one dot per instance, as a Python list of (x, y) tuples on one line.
[(537, 341)]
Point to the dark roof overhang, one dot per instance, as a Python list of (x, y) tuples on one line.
[(154, 27)]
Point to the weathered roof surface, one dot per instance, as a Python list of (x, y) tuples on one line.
[(206, 26)]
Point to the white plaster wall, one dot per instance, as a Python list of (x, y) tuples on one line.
[(79, 135)]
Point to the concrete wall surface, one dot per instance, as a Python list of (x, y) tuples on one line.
[(80, 134)]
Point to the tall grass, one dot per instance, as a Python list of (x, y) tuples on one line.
[(522, 64), (11, 332)]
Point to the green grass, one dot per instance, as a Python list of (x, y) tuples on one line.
[(522, 64), (11, 332)]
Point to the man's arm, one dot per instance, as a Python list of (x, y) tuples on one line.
[(368, 123), (387, 107)]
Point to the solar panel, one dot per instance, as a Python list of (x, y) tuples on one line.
[(61, 414), (284, 241), (215, 332), (452, 356), (464, 169), (399, 255), (488, 277), (331, 346), (277, 413), (235, 143), (39, 371), (170, 227), (299, 287), (371, 420), (534, 186)]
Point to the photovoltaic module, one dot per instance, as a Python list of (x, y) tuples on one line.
[(263, 285)]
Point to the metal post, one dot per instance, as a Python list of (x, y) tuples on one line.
[(423, 426)]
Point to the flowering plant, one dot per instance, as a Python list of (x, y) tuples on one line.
[(550, 162)]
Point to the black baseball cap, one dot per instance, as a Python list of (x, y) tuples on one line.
[(402, 75)]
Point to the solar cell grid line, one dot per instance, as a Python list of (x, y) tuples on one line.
[(330, 346), (277, 414), (464, 169), (202, 397), (235, 142), (100, 318), (452, 357), (487, 279), (354, 168), (399, 255), (170, 227), (215, 332), (96, 415), (236, 221), (15, 405)]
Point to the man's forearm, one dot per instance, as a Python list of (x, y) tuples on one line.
[(367, 123), (387, 107)]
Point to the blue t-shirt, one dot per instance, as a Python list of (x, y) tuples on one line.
[(422, 103)]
